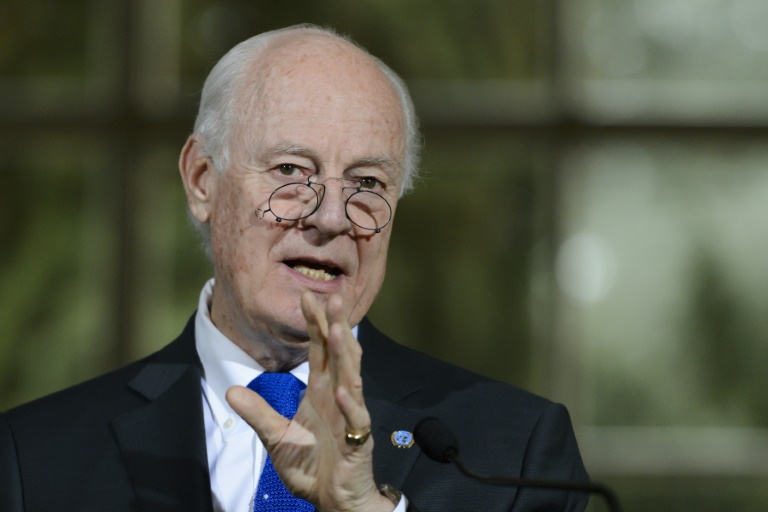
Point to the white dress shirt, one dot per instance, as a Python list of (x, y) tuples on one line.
[(236, 455)]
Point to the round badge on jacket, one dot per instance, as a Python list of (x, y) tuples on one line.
[(402, 439)]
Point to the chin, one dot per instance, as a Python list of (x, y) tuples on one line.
[(292, 333), (289, 324)]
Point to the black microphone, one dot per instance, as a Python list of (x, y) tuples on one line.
[(439, 443)]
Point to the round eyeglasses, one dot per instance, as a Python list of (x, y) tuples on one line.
[(295, 201)]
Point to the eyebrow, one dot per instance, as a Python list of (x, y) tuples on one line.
[(289, 149), (384, 161), (285, 149)]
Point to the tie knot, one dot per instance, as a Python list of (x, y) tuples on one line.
[(280, 390)]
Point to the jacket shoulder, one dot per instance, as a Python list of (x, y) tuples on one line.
[(106, 394), (400, 366)]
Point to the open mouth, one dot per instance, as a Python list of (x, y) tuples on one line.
[(314, 270)]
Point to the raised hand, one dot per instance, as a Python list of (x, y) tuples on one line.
[(325, 454)]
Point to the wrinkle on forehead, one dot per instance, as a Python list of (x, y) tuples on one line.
[(295, 56), (337, 79)]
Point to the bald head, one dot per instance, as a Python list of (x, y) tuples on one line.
[(287, 55), (317, 79)]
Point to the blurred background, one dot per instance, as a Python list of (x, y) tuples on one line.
[(590, 225)]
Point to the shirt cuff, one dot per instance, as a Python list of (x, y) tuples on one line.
[(402, 505)]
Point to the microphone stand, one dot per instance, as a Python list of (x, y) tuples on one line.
[(591, 487)]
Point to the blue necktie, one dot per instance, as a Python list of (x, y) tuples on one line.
[(281, 391)]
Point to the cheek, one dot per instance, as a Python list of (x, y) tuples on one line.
[(232, 213), (372, 270), (373, 263), (229, 225)]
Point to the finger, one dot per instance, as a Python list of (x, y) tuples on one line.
[(357, 419), (344, 351), (317, 323), (344, 359), (319, 387), (269, 425), (317, 327)]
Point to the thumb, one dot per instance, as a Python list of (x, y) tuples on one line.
[(268, 423)]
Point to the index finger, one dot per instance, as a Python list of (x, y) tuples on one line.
[(317, 323), (317, 327)]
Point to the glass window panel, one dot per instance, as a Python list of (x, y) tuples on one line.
[(692, 60), (58, 58), (663, 264), (450, 39), (55, 281), (33, 33), (662, 320), (672, 39)]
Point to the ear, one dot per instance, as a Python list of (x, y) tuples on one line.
[(199, 178)]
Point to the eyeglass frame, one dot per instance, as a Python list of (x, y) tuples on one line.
[(358, 190)]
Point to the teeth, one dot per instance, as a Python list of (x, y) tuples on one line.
[(314, 273)]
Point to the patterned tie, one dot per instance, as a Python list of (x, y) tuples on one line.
[(281, 391)]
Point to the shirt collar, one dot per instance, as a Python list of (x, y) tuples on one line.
[(224, 363)]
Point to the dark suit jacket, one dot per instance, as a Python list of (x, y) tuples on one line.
[(133, 439)]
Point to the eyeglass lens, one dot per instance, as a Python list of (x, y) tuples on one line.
[(297, 201), (294, 201)]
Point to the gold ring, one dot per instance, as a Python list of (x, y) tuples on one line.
[(357, 440)]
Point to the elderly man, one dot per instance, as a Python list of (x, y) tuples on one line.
[(302, 147)]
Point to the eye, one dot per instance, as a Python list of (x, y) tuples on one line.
[(288, 170), (369, 183)]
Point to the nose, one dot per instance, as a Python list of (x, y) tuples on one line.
[(331, 216)]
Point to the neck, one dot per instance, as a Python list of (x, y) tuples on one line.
[(274, 355), (274, 351)]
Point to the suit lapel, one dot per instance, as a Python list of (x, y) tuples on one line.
[(383, 390), (391, 463), (163, 441)]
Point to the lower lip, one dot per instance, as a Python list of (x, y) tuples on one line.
[(315, 284)]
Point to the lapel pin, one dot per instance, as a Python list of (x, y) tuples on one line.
[(402, 439)]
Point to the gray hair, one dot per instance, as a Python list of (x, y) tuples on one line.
[(218, 110)]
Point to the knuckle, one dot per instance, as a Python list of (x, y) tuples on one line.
[(357, 383)]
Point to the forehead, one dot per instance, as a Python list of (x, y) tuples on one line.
[(316, 90)]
